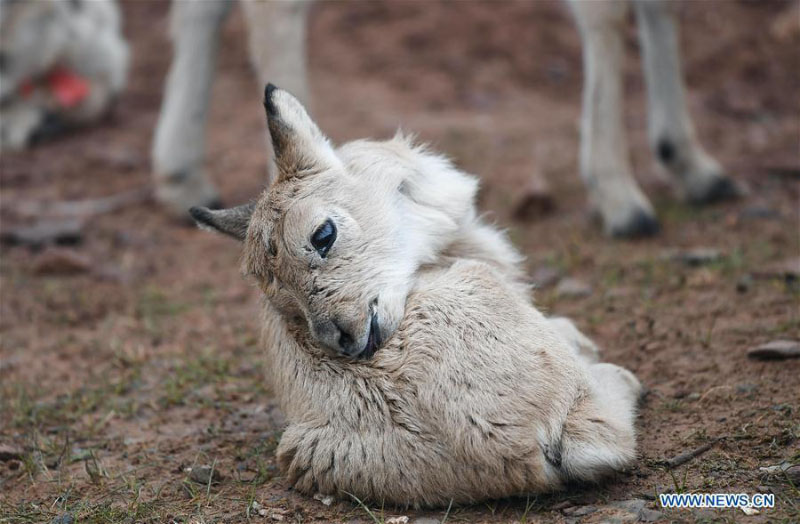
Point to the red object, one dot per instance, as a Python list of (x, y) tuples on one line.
[(26, 88), (68, 88)]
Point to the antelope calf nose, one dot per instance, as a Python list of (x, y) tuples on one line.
[(345, 339)]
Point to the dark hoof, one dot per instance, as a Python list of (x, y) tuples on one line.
[(51, 126), (723, 188), (641, 224)]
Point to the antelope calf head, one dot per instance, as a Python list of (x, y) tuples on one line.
[(336, 240)]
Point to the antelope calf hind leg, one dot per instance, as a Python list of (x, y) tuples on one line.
[(598, 436)]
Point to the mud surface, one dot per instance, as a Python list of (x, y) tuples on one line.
[(140, 360)]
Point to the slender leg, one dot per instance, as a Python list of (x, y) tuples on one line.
[(277, 42), (179, 146), (670, 127), (604, 163)]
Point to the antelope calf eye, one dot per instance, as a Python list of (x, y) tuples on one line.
[(324, 237)]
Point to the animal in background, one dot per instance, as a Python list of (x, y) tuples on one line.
[(401, 341), (61, 65), (277, 42)]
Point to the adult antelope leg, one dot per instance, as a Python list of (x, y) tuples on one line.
[(277, 43), (672, 134), (604, 163), (178, 149)]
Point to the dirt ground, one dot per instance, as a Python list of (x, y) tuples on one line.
[(142, 363)]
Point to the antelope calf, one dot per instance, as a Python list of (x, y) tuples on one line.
[(401, 341)]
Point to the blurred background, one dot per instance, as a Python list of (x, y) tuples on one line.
[(128, 341)]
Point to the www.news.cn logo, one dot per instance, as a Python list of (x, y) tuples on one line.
[(717, 500)]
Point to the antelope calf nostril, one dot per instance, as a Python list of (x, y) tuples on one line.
[(345, 339)]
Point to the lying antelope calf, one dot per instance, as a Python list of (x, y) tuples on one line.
[(402, 345)]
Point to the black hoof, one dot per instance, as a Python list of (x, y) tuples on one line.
[(723, 188), (51, 126), (641, 224)]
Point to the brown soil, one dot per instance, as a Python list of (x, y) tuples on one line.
[(116, 379)]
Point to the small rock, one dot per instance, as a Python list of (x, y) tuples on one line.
[(277, 515), (759, 212), (784, 26), (744, 283), (793, 472), (698, 256), (788, 269), (579, 511), (397, 520), (747, 510), (776, 350), (702, 278), (545, 276), (573, 288), (60, 261), (650, 515), (693, 396), (790, 470), (534, 200), (204, 474), (325, 499), (705, 515), (746, 388), (10, 452), (425, 520), (263, 512), (633, 506), (51, 231), (64, 518)]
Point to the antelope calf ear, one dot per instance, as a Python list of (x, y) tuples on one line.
[(232, 222), (300, 147)]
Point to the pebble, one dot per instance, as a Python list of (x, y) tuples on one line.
[(634, 506), (618, 511), (746, 388), (325, 499), (579, 511), (698, 256), (10, 452), (534, 200), (64, 518), (744, 283), (202, 474), (60, 261), (51, 231), (545, 276), (790, 470), (759, 212), (573, 288), (776, 350), (788, 269)]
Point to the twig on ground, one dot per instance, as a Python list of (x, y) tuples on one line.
[(683, 458)]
